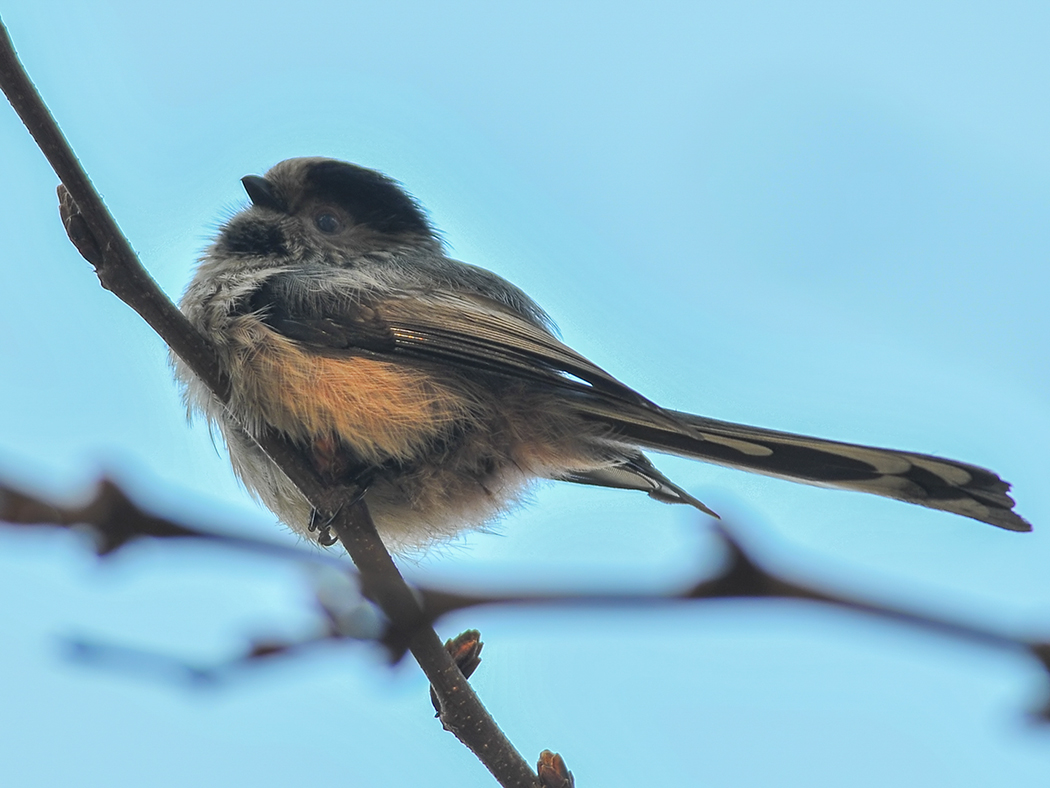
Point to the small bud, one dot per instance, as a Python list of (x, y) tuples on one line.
[(552, 771), (77, 228), (465, 650)]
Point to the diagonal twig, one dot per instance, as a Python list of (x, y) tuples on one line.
[(96, 234)]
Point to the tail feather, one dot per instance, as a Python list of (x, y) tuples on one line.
[(934, 482), (637, 473)]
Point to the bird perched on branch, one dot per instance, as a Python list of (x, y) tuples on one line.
[(439, 391)]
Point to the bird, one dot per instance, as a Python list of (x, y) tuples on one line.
[(441, 393)]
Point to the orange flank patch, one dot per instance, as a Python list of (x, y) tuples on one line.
[(381, 410)]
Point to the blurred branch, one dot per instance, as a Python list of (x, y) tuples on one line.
[(114, 521), (96, 235), (741, 576)]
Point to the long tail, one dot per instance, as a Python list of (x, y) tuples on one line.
[(928, 481)]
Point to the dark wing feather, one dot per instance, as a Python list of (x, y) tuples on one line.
[(468, 331)]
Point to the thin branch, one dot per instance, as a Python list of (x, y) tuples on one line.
[(95, 233), (459, 702)]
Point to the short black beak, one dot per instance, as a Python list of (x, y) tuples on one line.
[(262, 194)]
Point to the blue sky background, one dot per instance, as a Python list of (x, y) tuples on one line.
[(802, 216)]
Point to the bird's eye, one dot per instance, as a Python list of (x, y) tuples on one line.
[(327, 223)]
